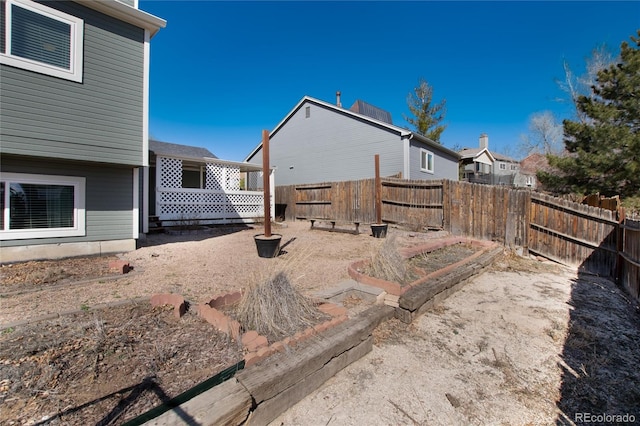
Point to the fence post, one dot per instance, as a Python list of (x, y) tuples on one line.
[(620, 244), (445, 199), (378, 190)]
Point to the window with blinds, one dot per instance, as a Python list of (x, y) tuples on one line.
[(38, 206), (41, 39)]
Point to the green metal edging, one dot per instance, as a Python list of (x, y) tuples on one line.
[(185, 396)]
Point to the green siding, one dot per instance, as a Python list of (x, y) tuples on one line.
[(100, 119), (108, 198)]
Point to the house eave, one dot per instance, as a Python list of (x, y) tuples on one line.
[(435, 145), (126, 13), (390, 127), (244, 167)]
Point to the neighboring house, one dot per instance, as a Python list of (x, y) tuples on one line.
[(189, 185), (74, 84), (479, 165), (529, 167), (322, 142)]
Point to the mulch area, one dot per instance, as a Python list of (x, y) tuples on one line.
[(106, 366), (36, 275)]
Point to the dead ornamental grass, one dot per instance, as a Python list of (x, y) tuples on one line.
[(388, 264), (272, 305)]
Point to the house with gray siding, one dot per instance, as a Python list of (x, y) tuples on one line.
[(74, 79), (479, 165), (322, 142)]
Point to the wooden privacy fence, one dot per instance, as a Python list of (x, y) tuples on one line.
[(597, 240), (574, 234), (416, 203)]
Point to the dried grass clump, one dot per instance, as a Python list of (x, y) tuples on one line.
[(387, 263), (274, 308)]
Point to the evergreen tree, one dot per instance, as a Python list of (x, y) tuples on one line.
[(426, 118), (603, 151)]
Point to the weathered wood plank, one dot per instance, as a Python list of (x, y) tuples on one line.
[(226, 404), (268, 410), (281, 371), (417, 296)]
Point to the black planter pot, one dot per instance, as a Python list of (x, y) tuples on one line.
[(268, 246), (379, 230)]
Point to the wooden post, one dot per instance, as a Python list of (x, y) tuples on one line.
[(378, 190), (266, 184), (620, 230)]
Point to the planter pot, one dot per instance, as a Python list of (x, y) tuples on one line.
[(379, 230), (268, 246)]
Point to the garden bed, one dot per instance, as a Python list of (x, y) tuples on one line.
[(106, 366), (423, 263)]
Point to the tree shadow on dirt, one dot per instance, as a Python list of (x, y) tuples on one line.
[(133, 393), (601, 355), (184, 235)]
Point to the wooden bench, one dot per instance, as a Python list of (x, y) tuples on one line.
[(333, 225)]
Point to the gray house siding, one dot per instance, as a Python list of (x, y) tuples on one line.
[(445, 166), (108, 198), (330, 146), (100, 119)]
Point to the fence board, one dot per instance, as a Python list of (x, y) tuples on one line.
[(629, 276), (574, 234), (568, 232)]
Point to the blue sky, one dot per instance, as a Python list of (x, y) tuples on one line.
[(223, 71)]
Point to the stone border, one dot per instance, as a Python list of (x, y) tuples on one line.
[(260, 393), (255, 346)]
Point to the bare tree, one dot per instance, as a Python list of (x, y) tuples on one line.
[(575, 86), (545, 135)]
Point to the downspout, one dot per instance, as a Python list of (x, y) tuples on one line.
[(406, 147), (145, 131)]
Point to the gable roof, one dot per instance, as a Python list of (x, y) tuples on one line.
[(474, 153), (533, 163), (361, 117), (468, 153), (172, 149)]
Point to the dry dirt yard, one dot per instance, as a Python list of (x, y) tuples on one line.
[(525, 343), (528, 342)]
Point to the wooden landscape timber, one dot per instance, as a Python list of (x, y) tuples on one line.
[(420, 299), (260, 393)]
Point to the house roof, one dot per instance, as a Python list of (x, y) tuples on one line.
[(534, 162), (362, 117), (468, 153), (475, 153), (127, 13), (184, 151)]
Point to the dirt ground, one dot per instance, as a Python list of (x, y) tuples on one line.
[(105, 364), (525, 343)]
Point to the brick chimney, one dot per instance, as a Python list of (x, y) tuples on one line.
[(338, 102), (484, 141)]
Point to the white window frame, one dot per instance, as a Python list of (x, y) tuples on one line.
[(74, 73), (425, 154), (502, 166), (79, 228)]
